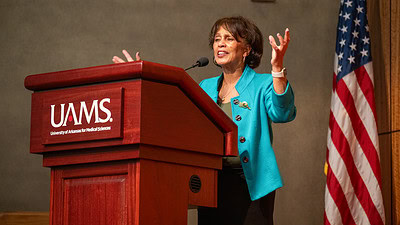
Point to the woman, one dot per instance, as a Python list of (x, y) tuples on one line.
[(253, 101)]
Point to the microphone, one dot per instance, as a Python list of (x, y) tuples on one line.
[(203, 61)]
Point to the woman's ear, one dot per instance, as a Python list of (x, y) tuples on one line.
[(247, 51)]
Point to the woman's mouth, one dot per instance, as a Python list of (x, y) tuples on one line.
[(221, 53)]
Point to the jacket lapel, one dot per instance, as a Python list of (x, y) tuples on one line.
[(245, 79)]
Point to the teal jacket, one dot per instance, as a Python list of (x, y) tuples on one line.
[(254, 126)]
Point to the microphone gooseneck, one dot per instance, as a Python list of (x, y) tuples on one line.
[(203, 61)]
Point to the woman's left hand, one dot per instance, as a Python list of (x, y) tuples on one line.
[(128, 57), (279, 51)]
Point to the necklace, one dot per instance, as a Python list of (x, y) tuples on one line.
[(230, 89), (227, 93)]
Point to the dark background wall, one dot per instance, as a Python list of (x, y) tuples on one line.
[(38, 36)]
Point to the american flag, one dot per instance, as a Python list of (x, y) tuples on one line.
[(353, 188)]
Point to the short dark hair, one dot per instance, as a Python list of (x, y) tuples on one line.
[(239, 26)]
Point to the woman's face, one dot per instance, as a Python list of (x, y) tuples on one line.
[(229, 52)]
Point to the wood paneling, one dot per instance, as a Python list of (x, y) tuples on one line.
[(83, 193), (385, 145), (396, 178), (395, 103), (93, 194), (395, 61), (379, 23), (384, 20), (24, 218)]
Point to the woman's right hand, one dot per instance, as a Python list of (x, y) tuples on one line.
[(128, 57)]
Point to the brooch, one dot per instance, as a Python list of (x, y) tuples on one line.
[(244, 105)]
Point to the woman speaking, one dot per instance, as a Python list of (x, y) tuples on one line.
[(253, 101)]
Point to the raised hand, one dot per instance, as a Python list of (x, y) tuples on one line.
[(128, 57), (279, 51)]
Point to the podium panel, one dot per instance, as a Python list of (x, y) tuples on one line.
[(106, 192), (128, 192), (95, 194)]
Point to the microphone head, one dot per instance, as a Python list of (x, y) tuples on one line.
[(203, 61)]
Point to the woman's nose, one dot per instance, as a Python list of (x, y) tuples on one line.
[(221, 43)]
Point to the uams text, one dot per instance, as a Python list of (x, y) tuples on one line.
[(71, 114)]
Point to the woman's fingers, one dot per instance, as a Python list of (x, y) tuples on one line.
[(281, 41), (137, 56), (272, 42), (278, 52), (287, 35), (117, 59), (286, 40), (127, 55)]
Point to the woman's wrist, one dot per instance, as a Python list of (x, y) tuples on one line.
[(277, 68), (279, 74), (279, 84)]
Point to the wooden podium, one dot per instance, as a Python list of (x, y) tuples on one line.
[(133, 143)]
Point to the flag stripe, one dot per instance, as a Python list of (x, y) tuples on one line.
[(334, 191), (349, 178), (341, 143), (370, 71), (331, 209), (362, 105), (367, 86), (367, 116), (342, 176), (356, 151), (358, 127), (326, 221)]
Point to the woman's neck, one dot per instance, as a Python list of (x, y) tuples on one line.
[(232, 75)]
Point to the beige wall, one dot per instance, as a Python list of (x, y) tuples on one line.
[(44, 36)]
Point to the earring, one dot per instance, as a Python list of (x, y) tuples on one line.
[(215, 62)]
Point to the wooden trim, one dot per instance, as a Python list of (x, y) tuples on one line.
[(85, 76), (180, 157), (395, 61), (81, 156), (395, 103), (396, 178), (385, 145), (386, 94), (23, 218), (107, 154), (379, 23)]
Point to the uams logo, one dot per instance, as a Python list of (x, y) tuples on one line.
[(71, 114)]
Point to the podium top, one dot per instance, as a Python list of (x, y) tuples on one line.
[(105, 73), (143, 70)]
